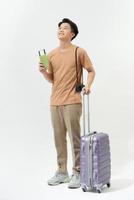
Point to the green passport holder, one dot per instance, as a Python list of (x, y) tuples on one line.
[(43, 58)]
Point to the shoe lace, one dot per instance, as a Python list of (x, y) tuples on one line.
[(57, 174), (75, 176)]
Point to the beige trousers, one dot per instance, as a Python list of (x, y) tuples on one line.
[(67, 119)]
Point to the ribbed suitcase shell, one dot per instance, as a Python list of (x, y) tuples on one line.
[(95, 162)]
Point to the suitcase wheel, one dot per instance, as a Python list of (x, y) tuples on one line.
[(99, 190), (108, 185), (84, 189)]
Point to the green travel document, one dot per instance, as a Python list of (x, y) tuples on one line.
[(43, 58)]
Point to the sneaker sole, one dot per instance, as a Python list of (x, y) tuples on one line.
[(71, 187), (52, 184)]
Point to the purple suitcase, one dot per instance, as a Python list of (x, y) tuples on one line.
[(95, 162)]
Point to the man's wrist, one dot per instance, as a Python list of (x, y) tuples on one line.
[(88, 86)]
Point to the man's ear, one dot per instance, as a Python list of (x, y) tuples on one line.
[(73, 34)]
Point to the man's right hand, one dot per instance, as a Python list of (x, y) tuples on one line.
[(48, 76), (41, 68)]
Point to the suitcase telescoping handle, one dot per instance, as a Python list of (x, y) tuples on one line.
[(88, 117)]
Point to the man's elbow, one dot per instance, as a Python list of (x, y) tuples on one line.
[(93, 72)]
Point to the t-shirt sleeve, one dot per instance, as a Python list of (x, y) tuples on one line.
[(85, 60), (50, 68)]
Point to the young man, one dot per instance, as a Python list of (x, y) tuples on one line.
[(66, 107)]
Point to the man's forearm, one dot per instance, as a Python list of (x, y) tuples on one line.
[(90, 78), (48, 76)]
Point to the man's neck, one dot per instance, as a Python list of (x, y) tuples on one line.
[(64, 45)]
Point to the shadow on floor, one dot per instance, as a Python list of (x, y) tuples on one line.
[(118, 184)]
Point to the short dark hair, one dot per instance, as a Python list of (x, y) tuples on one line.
[(74, 27)]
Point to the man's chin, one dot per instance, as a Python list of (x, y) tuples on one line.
[(62, 39)]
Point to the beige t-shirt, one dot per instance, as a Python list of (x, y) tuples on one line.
[(62, 66)]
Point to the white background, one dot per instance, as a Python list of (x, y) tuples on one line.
[(27, 152)]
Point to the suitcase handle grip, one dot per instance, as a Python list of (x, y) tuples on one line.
[(88, 117)]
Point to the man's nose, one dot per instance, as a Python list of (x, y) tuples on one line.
[(61, 31)]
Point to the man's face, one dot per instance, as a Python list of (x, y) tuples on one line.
[(64, 32)]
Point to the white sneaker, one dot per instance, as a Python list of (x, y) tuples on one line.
[(58, 178), (75, 181)]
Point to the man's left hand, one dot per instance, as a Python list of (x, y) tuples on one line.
[(86, 90)]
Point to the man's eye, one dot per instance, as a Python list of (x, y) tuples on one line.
[(65, 28)]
